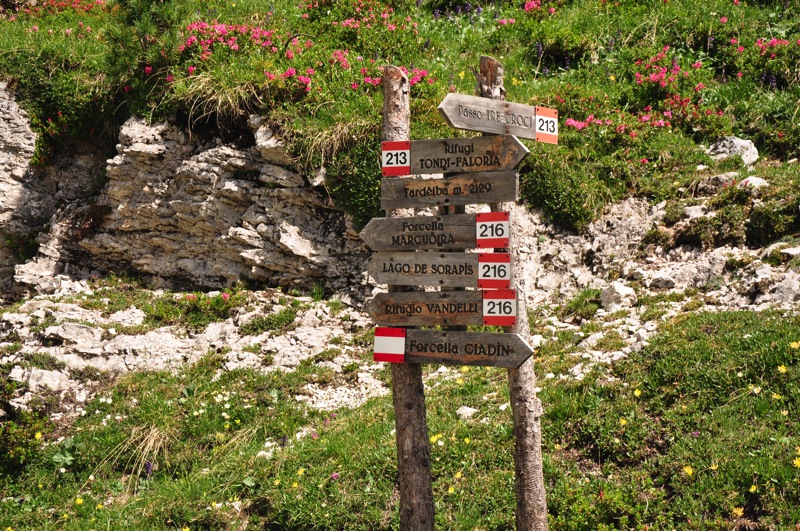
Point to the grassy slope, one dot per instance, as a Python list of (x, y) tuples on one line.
[(637, 85), (697, 431), (706, 443)]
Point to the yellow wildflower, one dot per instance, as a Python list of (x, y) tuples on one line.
[(466, 440), (38, 435), (294, 485), (784, 412), (796, 462), (185, 528), (99, 506), (714, 466), (794, 344), (737, 512), (612, 77), (782, 369), (753, 488), (460, 381), (776, 396), (622, 422), (464, 368), (688, 470), (276, 482), (301, 471), (451, 490), (458, 475), (637, 393), (78, 501), (461, 75), (756, 390)]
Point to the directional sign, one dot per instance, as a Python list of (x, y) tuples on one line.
[(420, 308), (451, 155), (497, 116), (458, 231), (455, 270), (458, 348), (463, 189)]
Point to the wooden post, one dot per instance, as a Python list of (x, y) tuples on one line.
[(413, 451), (526, 407)]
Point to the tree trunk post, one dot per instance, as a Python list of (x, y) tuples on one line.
[(408, 393), (526, 407)]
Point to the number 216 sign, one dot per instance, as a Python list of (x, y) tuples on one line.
[(492, 230)]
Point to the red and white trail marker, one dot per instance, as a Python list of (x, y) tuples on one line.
[(389, 345), (500, 307), (396, 158), (494, 270), (546, 125), (492, 230)]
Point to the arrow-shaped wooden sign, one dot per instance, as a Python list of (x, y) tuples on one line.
[(420, 308), (453, 270), (502, 117), (463, 189), (458, 231), (401, 345), (451, 155)]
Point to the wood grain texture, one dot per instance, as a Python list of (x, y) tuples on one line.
[(420, 233), (408, 392), (456, 190), (420, 308), (466, 348), (425, 269), (531, 514), (489, 116), (464, 155)]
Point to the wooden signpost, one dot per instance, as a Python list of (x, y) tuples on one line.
[(477, 170), (419, 308), (502, 117), (451, 155), (401, 345), (454, 190), (452, 270), (461, 231)]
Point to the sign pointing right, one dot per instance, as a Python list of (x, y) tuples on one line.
[(501, 117)]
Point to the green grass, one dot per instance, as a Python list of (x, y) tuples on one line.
[(697, 431), (597, 63)]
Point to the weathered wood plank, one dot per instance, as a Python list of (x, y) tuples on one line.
[(490, 116), (452, 155), (421, 233), (466, 348), (419, 308), (447, 308), (438, 233), (454, 270), (462, 189)]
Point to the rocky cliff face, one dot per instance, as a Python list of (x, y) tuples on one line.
[(184, 213), (192, 213), (210, 215)]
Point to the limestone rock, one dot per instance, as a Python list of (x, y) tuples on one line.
[(616, 296), (712, 185), (731, 146), (466, 412)]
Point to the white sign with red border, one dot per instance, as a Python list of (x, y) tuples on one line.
[(500, 307), (492, 230), (396, 158), (389, 345), (494, 270), (546, 125)]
